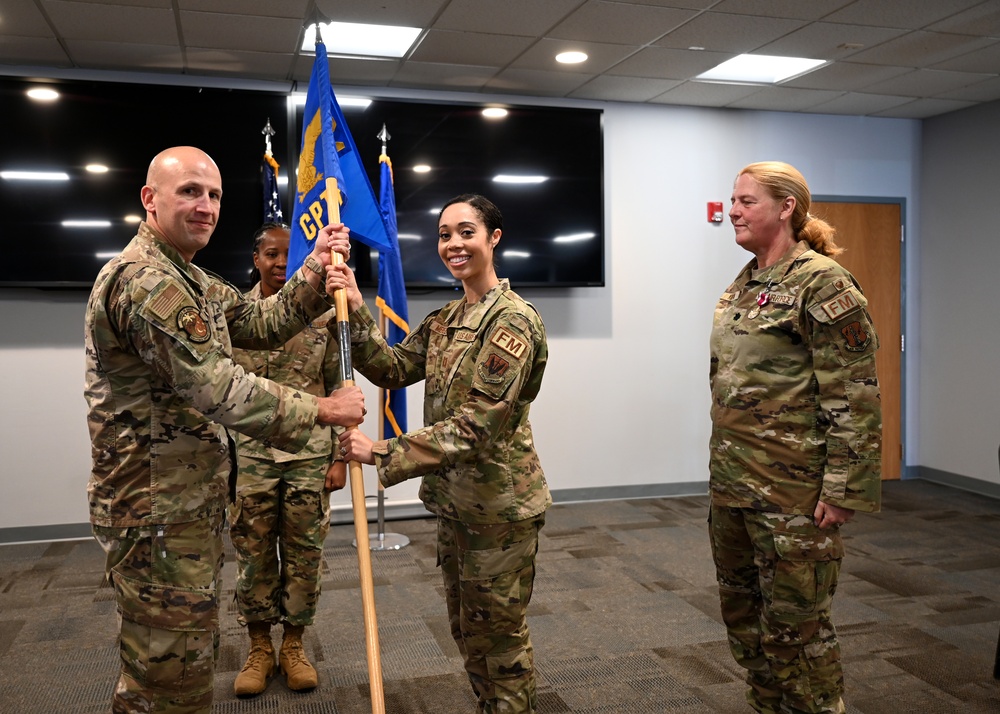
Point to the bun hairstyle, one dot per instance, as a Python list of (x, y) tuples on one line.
[(782, 180)]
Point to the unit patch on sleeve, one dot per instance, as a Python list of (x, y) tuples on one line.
[(856, 337), (191, 321), (493, 368), (509, 342)]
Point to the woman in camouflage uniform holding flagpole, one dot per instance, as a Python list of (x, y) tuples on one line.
[(482, 358)]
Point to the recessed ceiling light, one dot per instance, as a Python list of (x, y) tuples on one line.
[(571, 57), (494, 112), (510, 178), (43, 95), (421, 168), (760, 69), (96, 168), (352, 38)]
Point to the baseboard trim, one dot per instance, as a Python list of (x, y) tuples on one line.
[(618, 493), (963, 483)]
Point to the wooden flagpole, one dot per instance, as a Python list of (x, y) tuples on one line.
[(357, 480)]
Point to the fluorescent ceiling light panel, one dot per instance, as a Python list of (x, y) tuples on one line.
[(516, 254), (760, 69), (574, 238), (352, 38), (80, 223), (299, 100)]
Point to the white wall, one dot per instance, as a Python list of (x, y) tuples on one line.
[(960, 325), (625, 397)]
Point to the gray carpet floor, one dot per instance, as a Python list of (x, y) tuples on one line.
[(625, 617)]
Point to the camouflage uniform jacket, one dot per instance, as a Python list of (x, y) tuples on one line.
[(161, 386), (483, 366), (796, 412), (309, 362)]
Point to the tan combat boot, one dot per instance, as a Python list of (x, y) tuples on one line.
[(252, 680), (300, 674)]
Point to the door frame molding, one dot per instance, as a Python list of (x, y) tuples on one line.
[(906, 471)]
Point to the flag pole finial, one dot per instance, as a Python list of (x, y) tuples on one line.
[(384, 138), (268, 132)]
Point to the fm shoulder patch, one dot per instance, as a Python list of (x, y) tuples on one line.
[(509, 342)]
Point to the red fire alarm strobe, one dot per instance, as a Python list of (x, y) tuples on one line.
[(715, 214)]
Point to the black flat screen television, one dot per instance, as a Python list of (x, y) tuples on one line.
[(553, 230)]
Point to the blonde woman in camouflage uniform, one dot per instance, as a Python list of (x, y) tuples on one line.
[(482, 358), (283, 500), (162, 390), (796, 441)]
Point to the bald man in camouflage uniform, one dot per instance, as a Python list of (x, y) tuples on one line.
[(482, 358), (162, 391), (795, 450)]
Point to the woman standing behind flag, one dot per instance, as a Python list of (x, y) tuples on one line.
[(482, 359), (282, 500)]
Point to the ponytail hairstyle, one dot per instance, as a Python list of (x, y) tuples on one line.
[(258, 238), (782, 180)]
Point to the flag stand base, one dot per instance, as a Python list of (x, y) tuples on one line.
[(385, 541)]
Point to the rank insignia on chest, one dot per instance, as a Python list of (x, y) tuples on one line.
[(191, 321), (509, 342)]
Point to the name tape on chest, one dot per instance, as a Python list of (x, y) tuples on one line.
[(509, 342)]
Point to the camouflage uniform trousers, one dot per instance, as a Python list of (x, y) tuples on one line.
[(166, 581), (489, 573), (777, 576), (277, 525)]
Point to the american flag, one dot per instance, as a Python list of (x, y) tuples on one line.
[(272, 199)]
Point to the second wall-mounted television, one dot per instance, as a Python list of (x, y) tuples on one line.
[(60, 233)]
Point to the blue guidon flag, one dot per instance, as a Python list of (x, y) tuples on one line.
[(328, 150)]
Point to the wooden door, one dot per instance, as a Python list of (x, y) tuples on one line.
[(871, 235)]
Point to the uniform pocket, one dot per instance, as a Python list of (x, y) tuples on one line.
[(806, 570)]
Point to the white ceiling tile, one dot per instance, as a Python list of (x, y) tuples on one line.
[(22, 19), (470, 48), (797, 9), (409, 13), (536, 82), (510, 17), (705, 94), (111, 23), (617, 23), (119, 55), (911, 14), (455, 77), (728, 33), (923, 108), (921, 82), (985, 91), (827, 40), (921, 49), (264, 65), (858, 103), (845, 76), (623, 89), (33, 51), (208, 30), (266, 8), (663, 63), (784, 99), (983, 20), (986, 59)]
